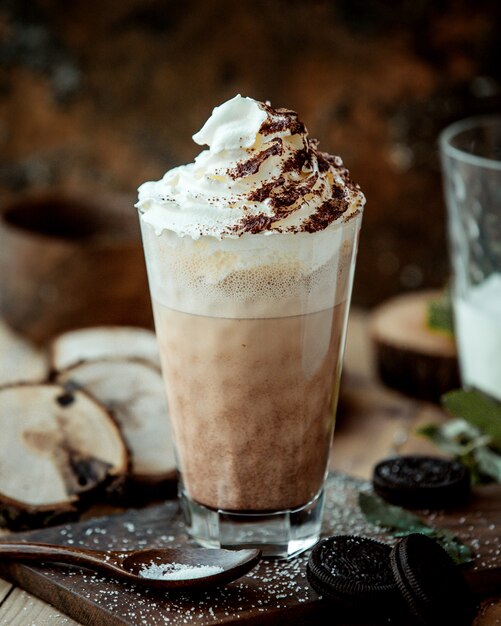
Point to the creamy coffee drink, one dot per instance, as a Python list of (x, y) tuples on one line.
[(251, 444), (250, 253)]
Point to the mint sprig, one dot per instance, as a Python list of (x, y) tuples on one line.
[(473, 436), (401, 522), (478, 410)]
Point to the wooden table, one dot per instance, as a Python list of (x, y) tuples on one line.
[(372, 423)]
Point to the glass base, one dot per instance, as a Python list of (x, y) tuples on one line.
[(282, 534)]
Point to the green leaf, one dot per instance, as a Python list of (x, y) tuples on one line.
[(489, 463), (456, 437), (477, 409), (461, 431), (458, 551), (439, 315), (402, 523), (468, 445), (395, 518), (441, 439), (476, 476)]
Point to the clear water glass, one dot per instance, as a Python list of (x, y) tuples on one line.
[(471, 162)]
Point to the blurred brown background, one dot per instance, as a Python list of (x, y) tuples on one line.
[(104, 95)]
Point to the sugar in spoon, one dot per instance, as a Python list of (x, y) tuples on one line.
[(225, 565)]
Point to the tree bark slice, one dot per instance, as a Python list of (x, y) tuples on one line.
[(102, 342), (134, 393), (410, 356), (57, 448)]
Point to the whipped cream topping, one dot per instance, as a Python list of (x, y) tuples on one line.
[(261, 174)]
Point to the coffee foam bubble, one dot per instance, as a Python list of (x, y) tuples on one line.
[(255, 276)]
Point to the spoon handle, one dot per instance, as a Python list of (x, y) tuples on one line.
[(23, 551)]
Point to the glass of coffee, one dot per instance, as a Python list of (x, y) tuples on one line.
[(250, 254), (471, 160)]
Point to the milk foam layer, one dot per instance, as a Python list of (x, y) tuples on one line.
[(254, 276), (261, 174)]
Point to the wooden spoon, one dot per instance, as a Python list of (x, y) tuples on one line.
[(127, 565)]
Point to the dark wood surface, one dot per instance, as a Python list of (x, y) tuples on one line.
[(91, 599), (275, 592)]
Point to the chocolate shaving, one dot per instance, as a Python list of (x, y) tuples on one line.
[(263, 192), (287, 120), (255, 224), (252, 165), (281, 194), (323, 163), (276, 126), (326, 213), (297, 161), (326, 160), (291, 193)]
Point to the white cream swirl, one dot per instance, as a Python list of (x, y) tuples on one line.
[(261, 174)]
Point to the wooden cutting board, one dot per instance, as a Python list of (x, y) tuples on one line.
[(275, 592)]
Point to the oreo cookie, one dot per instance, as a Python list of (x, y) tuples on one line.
[(421, 482), (354, 573), (432, 586)]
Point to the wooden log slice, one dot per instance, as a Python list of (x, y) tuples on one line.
[(410, 356), (101, 342), (19, 360), (135, 394), (56, 447)]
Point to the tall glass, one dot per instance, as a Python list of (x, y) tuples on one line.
[(471, 160), (251, 333)]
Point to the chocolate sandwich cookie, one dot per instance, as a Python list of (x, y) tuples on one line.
[(421, 481), (433, 587), (355, 573)]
